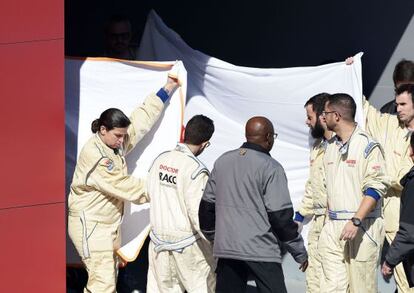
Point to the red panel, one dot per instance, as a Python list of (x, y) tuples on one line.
[(32, 119), (23, 20), (33, 249)]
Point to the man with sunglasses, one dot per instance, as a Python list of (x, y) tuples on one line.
[(180, 257), (350, 241)]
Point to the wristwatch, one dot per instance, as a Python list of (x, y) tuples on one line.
[(356, 222)]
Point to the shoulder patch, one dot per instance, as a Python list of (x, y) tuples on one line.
[(372, 144), (201, 168), (107, 163)]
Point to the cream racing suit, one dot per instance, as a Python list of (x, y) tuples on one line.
[(314, 205), (353, 170), (99, 187), (180, 258), (395, 140)]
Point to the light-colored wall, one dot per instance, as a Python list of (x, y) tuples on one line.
[(384, 89)]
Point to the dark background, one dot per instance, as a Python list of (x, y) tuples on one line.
[(265, 34)]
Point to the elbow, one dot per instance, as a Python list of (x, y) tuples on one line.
[(283, 225), (207, 218)]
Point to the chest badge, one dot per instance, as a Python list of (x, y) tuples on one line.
[(109, 164)]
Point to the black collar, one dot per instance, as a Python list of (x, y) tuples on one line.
[(256, 147)]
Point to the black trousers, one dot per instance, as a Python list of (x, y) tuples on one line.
[(232, 276)]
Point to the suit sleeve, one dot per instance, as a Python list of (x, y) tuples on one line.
[(142, 120), (374, 176), (192, 198), (207, 210), (112, 183), (306, 206), (375, 121), (405, 165)]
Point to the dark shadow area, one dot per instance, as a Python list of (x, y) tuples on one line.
[(72, 92), (268, 34)]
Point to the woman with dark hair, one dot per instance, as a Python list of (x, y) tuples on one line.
[(101, 184), (402, 247)]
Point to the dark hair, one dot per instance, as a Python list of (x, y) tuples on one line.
[(199, 129), (318, 103), (110, 118), (403, 72), (345, 103), (406, 87)]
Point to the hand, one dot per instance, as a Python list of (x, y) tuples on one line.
[(349, 60), (349, 232), (304, 266), (300, 226), (386, 270), (122, 263), (177, 73)]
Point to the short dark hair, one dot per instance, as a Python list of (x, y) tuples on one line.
[(110, 118), (345, 103), (403, 72), (407, 87), (199, 129), (318, 103)]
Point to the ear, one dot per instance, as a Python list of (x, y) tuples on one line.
[(338, 117), (102, 129)]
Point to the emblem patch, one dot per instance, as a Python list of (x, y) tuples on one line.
[(376, 167), (109, 164), (351, 163)]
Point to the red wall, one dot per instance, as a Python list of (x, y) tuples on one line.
[(32, 200)]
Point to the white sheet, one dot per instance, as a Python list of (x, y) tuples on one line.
[(96, 84), (231, 94)]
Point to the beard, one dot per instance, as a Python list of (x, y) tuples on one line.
[(317, 131)]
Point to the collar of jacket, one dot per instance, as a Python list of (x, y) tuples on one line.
[(256, 147), (182, 147), (407, 177), (343, 147), (107, 148)]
